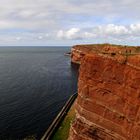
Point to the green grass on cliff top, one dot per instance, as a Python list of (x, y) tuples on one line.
[(63, 131)]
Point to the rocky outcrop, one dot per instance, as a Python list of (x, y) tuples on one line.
[(108, 103), (115, 51)]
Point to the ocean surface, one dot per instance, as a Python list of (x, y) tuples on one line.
[(35, 83)]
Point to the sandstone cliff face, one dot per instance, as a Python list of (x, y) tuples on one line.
[(108, 104)]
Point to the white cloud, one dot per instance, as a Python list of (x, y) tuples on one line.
[(89, 35), (69, 34), (109, 32), (135, 29), (18, 38), (61, 34), (40, 37), (116, 29), (5, 24), (68, 20)]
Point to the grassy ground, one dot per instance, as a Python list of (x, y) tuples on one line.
[(63, 131)]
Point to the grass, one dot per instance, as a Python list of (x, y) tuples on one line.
[(63, 131)]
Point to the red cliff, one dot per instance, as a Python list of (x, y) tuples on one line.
[(108, 103)]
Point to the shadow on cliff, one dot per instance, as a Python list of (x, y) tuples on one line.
[(74, 68)]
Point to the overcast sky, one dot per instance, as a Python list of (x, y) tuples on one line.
[(68, 22)]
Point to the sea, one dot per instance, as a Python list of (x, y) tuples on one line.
[(35, 83)]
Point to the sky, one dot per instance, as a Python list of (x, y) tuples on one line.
[(69, 22)]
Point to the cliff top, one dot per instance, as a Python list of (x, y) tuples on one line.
[(120, 53), (108, 48)]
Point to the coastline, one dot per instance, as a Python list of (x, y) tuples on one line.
[(108, 88)]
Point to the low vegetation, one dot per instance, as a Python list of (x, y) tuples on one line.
[(63, 131)]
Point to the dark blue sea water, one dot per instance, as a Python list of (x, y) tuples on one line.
[(35, 82)]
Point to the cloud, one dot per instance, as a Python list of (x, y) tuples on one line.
[(18, 38), (110, 32), (69, 34), (66, 21), (112, 29), (135, 29), (75, 34)]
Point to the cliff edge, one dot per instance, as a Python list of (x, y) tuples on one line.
[(108, 103)]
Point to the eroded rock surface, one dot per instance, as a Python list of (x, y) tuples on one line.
[(108, 103)]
